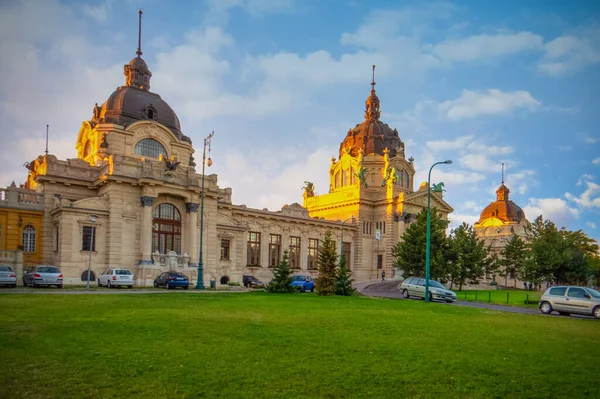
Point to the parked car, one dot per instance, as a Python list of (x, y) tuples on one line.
[(252, 282), (415, 286), (567, 299), (303, 283), (7, 276), (172, 280), (116, 277), (40, 275)]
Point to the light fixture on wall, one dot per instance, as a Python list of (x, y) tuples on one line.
[(20, 221)]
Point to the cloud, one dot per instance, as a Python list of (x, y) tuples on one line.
[(555, 209), (485, 47), (583, 179), (477, 162), (99, 12), (472, 104), (591, 225), (590, 198), (217, 11), (596, 161), (567, 54), (457, 218)]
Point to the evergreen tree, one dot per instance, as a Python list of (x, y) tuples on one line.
[(409, 252), (325, 283), (492, 264), (466, 256), (343, 281), (514, 258), (282, 277)]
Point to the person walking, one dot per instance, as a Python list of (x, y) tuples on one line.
[(383, 275)]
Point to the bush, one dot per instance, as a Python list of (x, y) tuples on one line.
[(234, 284), (282, 277)]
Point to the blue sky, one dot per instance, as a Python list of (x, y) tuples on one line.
[(281, 82)]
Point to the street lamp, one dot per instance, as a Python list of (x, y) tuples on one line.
[(200, 282), (93, 219), (428, 245), (342, 236)]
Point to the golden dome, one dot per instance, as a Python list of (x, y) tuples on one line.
[(502, 210)]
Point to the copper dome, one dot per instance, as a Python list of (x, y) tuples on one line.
[(502, 208)]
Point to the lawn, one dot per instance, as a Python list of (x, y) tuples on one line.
[(256, 345), (501, 297)]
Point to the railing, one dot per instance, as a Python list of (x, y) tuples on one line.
[(15, 197), (170, 260)]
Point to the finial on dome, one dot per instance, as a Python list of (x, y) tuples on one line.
[(502, 172), (373, 80), (139, 49), (372, 112)]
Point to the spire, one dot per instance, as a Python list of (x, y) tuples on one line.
[(47, 127), (372, 112), (139, 49), (136, 72), (502, 172), (503, 191)]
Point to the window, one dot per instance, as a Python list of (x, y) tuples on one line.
[(150, 114), (406, 179), (150, 148), (347, 252), (225, 249), (577, 293), (379, 261), (84, 276), (166, 229), (558, 291), (337, 179), (274, 250), (313, 253), (295, 252), (400, 178), (56, 241), (367, 227), (29, 239), (253, 249), (88, 238)]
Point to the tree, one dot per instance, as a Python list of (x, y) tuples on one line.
[(409, 252), (282, 277), (466, 256), (492, 264), (343, 280), (327, 264), (514, 257)]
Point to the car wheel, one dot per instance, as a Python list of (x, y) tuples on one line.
[(60, 286), (564, 313), (430, 297), (14, 285), (167, 287), (130, 286), (448, 301), (405, 294), (155, 284), (99, 285), (186, 287), (596, 312), (108, 284), (312, 289), (546, 308), (33, 284)]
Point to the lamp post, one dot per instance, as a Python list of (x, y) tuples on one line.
[(200, 282), (93, 219), (428, 238), (342, 235)]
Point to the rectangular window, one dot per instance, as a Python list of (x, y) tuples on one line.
[(56, 237), (274, 250), (313, 254), (253, 249), (347, 252), (379, 261), (225, 249), (295, 252), (88, 238)]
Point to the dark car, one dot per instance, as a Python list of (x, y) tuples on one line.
[(172, 280), (252, 282)]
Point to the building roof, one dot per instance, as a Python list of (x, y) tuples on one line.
[(502, 209)]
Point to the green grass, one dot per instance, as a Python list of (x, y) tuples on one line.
[(499, 297), (258, 345)]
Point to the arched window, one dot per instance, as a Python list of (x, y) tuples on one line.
[(166, 229), (84, 276), (150, 148), (406, 180), (337, 179), (29, 239), (150, 114)]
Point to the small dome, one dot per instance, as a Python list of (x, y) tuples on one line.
[(502, 209)]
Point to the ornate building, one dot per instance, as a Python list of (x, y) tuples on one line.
[(371, 183)]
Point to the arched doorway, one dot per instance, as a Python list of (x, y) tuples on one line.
[(166, 229)]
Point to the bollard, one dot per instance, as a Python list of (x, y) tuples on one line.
[(490, 296), (507, 297), (527, 299)]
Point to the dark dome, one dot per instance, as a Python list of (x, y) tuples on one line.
[(372, 136)]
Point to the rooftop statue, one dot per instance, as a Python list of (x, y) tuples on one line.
[(362, 176), (438, 188), (309, 189)]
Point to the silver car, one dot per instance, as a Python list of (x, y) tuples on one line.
[(566, 300), (37, 276), (7, 276), (415, 286)]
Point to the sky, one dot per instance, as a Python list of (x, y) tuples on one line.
[(282, 81)]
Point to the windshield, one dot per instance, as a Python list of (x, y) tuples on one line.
[(299, 278), (435, 284), (5, 269), (177, 275), (48, 269), (594, 293), (123, 272)]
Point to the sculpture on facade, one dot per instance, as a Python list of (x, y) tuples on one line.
[(362, 175), (104, 143), (172, 164), (309, 189), (96, 113), (388, 174), (438, 188)]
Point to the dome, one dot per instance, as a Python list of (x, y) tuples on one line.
[(372, 136), (502, 209)]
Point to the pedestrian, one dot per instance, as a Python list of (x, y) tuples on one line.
[(383, 275), (530, 286), (524, 285)]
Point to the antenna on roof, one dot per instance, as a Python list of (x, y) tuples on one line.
[(47, 126), (373, 80), (139, 49), (502, 172)]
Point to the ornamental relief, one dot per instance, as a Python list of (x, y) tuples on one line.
[(129, 210)]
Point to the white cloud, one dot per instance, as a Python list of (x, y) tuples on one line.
[(457, 218), (589, 198), (444, 145), (591, 225), (584, 179), (100, 12), (596, 161), (555, 209), (472, 104), (478, 162), (484, 47), (566, 54)]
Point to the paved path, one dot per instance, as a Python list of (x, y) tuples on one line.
[(389, 289)]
